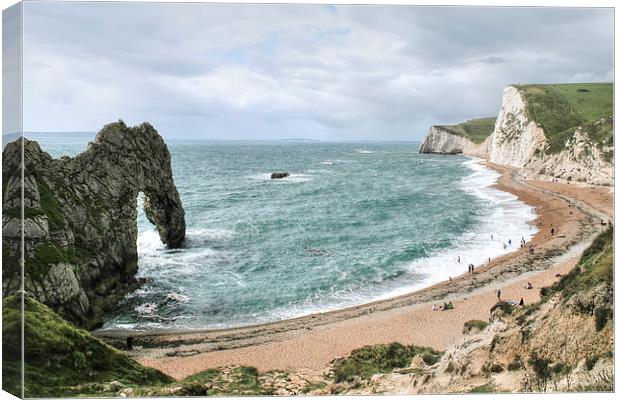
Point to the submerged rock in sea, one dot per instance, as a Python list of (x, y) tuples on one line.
[(279, 175), (80, 218)]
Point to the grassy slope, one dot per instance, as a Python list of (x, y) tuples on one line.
[(477, 130), (60, 356), (594, 268), (382, 358), (560, 108)]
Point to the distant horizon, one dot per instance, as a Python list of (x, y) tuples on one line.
[(291, 139)]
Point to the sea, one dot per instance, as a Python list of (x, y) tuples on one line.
[(353, 223)]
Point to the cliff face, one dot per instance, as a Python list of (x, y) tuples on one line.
[(516, 137), (519, 140), (442, 141), (80, 215)]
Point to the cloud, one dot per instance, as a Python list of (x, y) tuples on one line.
[(274, 71)]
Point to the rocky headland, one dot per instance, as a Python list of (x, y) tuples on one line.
[(562, 132), (80, 226), (470, 137)]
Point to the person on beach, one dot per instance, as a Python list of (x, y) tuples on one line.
[(491, 236), (499, 294), (472, 269), (434, 307), (521, 302), (504, 246), (529, 285), (552, 231), (509, 242), (459, 259), (489, 260)]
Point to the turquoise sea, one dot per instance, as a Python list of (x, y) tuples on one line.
[(355, 222)]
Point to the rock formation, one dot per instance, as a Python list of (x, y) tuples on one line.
[(80, 213), (442, 141), (520, 141), (279, 175)]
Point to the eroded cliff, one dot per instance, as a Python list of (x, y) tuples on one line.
[(80, 213), (550, 132), (442, 141), (469, 137), (542, 144)]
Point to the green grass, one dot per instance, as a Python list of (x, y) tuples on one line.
[(596, 103), (476, 130), (486, 388), (595, 267), (239, 381), (560, 108), (49, 253), (50, 207), (60, 358), (370, 360), (474, 324)]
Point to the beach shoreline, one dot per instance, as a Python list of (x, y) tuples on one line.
[(312, 341)]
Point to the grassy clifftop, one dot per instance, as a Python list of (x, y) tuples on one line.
[(561, 108), (61, 360), (476, 130)]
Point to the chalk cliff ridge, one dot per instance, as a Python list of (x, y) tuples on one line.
[(442, 141), (584, 152), (80, 226)]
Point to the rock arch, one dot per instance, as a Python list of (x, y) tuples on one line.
[(80, 215)]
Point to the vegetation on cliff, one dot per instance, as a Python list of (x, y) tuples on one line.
[(476, 130), (60, 359), (370, 360), (561, 108)]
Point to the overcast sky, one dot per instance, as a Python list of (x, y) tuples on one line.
[(280, 71)]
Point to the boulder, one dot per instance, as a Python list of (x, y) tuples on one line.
[(279, 175)]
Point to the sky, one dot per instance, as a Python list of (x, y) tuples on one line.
[(234, 71)]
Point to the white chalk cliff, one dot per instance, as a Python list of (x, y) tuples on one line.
[(442, 141), (519, 141)]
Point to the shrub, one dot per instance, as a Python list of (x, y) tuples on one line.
[(474, 324), (492, 368), (591, 362), (601, 316), (193, 388), (514, 365), (486, 388), (370, 360), (450, 368), (540, 365)]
